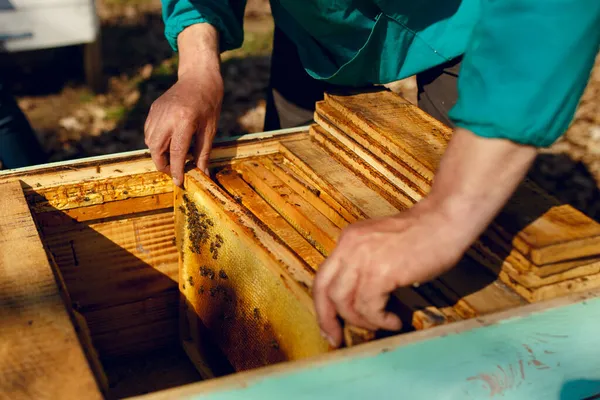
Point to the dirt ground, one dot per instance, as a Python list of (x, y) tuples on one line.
[(73, 122)]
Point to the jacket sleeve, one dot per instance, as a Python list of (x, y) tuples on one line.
[(225, 15), (526, 67)]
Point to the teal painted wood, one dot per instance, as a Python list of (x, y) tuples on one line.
[(550, 355)]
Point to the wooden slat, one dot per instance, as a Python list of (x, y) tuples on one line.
[(545, 230), (144, 312), (539, 226), (555, 290), (339, 181), (370, 150), (115, 166), (248, 292), (96, 192), (63, 220), (293, 171), (436, 299), (117, 262), (136, 340), (241, 191), (314, 226), (235, 185), (516, 266), (40, 355), (398, 125), (310, 192), (381, 179)]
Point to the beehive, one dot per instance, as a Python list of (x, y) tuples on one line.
[(106, 272), (268, 222)]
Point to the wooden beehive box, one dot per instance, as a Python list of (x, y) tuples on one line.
[(107, 272)]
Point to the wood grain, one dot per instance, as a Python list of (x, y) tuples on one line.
[(314, 226), (375, 175), (310, 192), (64, 220), (552, 291), (355, 139), (117, 262), (40, 355), (235, 185), (475, 291), (545, 230), (490, 254), (536, 224), (336, 179), (389, 119)]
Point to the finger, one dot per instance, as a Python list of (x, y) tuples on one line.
[(180, 145), (160, 161), (325, 308), (372, 309), (342, 293), (203, 146)]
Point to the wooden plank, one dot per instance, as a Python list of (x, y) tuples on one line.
[(381, 179), (314, 226), (292, 170), (99, 192), (235, 185), (336, 179), (144, 312), (310, 192), (137, 162), (554, 290), (539, 226), (545, 230), (117, 262), (251, 292), (544, 350), (397, 125), (40, 355), (490, 254), (380, 156), (137, 340), (64, 220)]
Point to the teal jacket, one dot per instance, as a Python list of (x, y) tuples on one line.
[(526, 62)]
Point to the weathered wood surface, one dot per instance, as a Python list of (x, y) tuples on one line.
[(116, 262), (540, 351), (40, 354), (238, 188), (340, 182), (300, 213), (377, 177)]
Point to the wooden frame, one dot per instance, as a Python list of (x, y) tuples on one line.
[(522, 352)]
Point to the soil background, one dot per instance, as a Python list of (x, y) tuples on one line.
[(73, 122)]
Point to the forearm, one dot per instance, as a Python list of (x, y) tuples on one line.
[(476, 177), (198, 50)]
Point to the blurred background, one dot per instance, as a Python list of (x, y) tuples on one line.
[(73, 121)]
